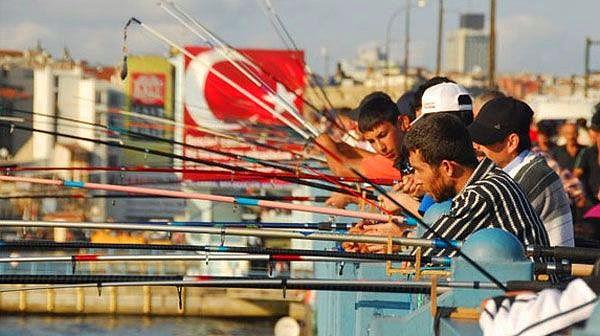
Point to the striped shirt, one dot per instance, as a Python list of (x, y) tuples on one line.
[(545, 192), (490, 198)]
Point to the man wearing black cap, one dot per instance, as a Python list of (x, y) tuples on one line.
[(587, 165), (501, 132)]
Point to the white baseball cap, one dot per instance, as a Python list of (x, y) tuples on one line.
[(445, 97)]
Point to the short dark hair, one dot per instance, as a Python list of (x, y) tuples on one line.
[(490, 94), (441, 136), (375, 109), (524, 142), (524, 137), (426, 85)]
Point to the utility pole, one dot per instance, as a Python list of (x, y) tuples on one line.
[(438, 59), (492, 49), (588, 45), (586, 79), (406, 44)]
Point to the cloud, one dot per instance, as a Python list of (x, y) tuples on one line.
[(23, 35), (527, 43)]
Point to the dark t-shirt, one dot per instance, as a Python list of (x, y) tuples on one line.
[(565, 161), (588, 162)]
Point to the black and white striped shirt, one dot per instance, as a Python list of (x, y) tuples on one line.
[(490, 198)]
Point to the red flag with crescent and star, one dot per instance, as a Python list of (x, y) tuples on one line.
[(213, 102)]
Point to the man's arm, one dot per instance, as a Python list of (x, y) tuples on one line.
[(349, 156)]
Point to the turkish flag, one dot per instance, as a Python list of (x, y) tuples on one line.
[(212, 101)]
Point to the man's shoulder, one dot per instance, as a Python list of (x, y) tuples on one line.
[(493, 175), (586, 156), (536, 170)]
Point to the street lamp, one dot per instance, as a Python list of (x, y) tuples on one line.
[(395, 14)]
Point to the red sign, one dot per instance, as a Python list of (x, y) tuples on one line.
[(218, 95), (148, 88)]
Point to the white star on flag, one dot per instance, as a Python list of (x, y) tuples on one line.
[(279, 100)]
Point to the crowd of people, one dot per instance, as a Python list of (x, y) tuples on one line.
[(438, 142), (465, 164)]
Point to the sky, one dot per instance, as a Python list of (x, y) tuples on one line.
[(536, 36)]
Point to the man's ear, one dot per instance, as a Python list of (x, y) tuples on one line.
[(403, 123), (512, 142), (447, 168)]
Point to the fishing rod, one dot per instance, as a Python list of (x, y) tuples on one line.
[(208, 251), (245, 201), (228, 231), (217, 173), (192, 257), (316, 199), (215, 253), (322, 226), (564, 267), (180, 157), (206, 256), (580, 254), (381, 286), (208, 197)]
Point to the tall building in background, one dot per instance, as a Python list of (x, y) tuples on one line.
[(467, 47)]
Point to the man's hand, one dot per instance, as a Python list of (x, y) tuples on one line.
[(338, 200), (406, 201), (353, 246), (410, 186), (385, 230)]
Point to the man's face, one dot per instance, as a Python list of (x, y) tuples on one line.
[(434, 181), (386, 139), (570, 133), (498, 152)]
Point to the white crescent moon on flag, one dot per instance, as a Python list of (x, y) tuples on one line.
[(195, 81)]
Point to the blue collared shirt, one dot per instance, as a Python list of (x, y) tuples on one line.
[(516, 161)]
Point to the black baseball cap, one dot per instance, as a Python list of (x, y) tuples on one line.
[(499, 118), (406, 104)]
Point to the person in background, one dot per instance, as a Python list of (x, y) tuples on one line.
[(584, 136), (571, 184), (501, 132), (483, 98), (544, 143), (587, 165), (566, 154)]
